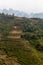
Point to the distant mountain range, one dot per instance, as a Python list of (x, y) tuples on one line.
[(21, 13)]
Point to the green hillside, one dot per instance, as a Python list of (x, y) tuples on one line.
[(21, 40)]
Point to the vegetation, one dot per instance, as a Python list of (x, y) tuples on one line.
[(26, 50)]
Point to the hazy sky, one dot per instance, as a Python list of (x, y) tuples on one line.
[(23, 5)]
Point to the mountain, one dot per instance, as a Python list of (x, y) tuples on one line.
[(15, 12), (37, 15), (21, 13)]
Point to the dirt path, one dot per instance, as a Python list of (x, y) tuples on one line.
[(5, 60)]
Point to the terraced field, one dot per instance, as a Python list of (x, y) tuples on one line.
[(19, 52), (21, 40)]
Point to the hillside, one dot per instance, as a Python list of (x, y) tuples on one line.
[(21, 40)]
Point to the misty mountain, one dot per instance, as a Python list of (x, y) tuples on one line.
[(37, 15), (15, 12), (21, 13)]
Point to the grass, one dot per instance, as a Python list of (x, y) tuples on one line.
[(23, 51), (20, 50)]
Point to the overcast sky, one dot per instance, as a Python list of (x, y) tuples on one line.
[(23, 5)]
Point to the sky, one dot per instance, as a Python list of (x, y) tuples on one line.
[(30, 6)]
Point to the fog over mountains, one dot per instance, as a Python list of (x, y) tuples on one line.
[(21, 13)]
